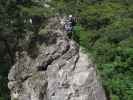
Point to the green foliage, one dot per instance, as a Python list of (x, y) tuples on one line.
[(12, 29), (37, 11), (105, 31), (4, 93)]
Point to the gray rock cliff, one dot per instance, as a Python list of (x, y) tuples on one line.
[(59, 70)]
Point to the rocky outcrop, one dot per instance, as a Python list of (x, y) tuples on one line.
[(58, 71)]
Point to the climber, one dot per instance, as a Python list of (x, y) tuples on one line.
[(69, 24)]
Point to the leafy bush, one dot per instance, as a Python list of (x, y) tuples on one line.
[(110, 43)]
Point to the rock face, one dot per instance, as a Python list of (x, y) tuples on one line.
[(59, 71)]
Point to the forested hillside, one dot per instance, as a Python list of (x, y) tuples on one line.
[(104, 28)]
